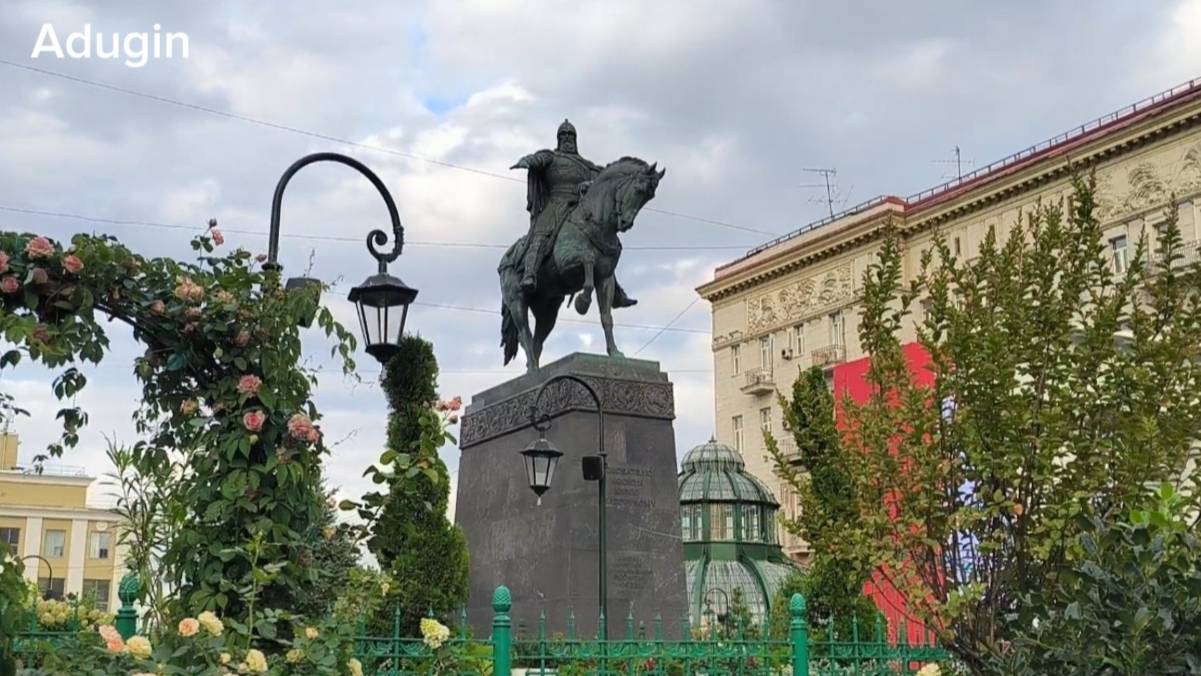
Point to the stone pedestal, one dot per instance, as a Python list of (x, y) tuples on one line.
[(547, 554)]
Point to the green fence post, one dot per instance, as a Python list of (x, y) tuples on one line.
[(127, 616), (502, 602), (800, 636)]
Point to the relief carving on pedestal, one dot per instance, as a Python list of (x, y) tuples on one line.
[(799, 299), (628, 397)]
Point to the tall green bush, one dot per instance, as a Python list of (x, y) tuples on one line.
[(413, 540), (833, 584)]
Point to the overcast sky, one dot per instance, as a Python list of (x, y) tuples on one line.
[(735, 99)]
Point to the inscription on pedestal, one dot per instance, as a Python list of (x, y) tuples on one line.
[(631, 578), (629, 486)]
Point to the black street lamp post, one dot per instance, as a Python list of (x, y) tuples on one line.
[(49, 569), (382, 300), (541, 457)]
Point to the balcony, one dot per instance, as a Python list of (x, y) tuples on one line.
[(829, 356), (759, 381), (1189, 253)]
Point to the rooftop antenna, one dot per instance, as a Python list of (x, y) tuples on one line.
[(959, 163), (831, 186)]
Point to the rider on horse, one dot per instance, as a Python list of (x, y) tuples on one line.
[(557, 179)]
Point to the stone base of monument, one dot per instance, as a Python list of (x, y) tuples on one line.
[(548, 554)]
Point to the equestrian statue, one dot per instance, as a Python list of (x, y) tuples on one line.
[(576, 211)]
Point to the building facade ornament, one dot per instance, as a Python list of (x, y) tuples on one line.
[(800, 299)]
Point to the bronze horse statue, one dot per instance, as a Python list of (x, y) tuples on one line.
[(583, 258)]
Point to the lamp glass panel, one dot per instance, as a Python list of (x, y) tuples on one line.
[(551, 463)]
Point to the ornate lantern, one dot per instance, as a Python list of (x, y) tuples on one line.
[(383, 303), (541, 458)]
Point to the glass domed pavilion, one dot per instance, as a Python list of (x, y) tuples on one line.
[(728, 521)]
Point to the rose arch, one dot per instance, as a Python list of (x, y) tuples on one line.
[(226, 415)]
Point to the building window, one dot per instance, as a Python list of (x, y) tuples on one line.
[(838, 333), (11, 537), (686, 522), (736, 358), (1118, 246), (99, 544), (54, 544), (955, 246), (750, 524), (797, 340), (765, 353), (721, 521), (52, 588), (765, 420), (97, 591), (738, 433)]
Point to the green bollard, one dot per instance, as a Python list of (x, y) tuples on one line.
[(800, 636), (127, 617), (502, 646)]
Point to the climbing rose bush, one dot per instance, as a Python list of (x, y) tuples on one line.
[(223, 396)]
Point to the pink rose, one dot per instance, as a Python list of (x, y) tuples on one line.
[(9, 284), (300, 427), (39, 276), (242, 339), (72, 264), (39, 247), (189, 290), (253, 421), (249, 385), (456, 403), (218, 238), (158, 307), (314, 436), (3, 262), (40, 334)]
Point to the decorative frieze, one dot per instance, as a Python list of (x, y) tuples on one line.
[(621, 397), (800, 299)]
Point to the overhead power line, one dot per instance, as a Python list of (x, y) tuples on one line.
[(669, 326), (329, 137), (322, 238)]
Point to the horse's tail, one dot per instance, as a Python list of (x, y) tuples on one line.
[(508, 333), (508, 326)]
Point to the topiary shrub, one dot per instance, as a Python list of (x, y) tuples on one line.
[(412, 538)]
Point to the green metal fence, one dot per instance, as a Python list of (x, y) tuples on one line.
[(710, 650)]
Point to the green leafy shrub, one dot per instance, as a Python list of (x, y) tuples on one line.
[(1130, 604)]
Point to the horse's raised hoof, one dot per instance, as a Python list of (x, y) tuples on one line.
[(582, 303)]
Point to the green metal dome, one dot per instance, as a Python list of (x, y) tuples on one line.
[(715, 471), (728, 522)]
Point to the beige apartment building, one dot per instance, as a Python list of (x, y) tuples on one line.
[(67, 546), (794, 302)]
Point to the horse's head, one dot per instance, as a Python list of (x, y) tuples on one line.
[(621, 190)]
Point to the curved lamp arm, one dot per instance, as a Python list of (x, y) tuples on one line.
[(542, 423), (374, 238), (39, 557)]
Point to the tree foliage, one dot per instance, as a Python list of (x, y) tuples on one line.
[(1061, 389)]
